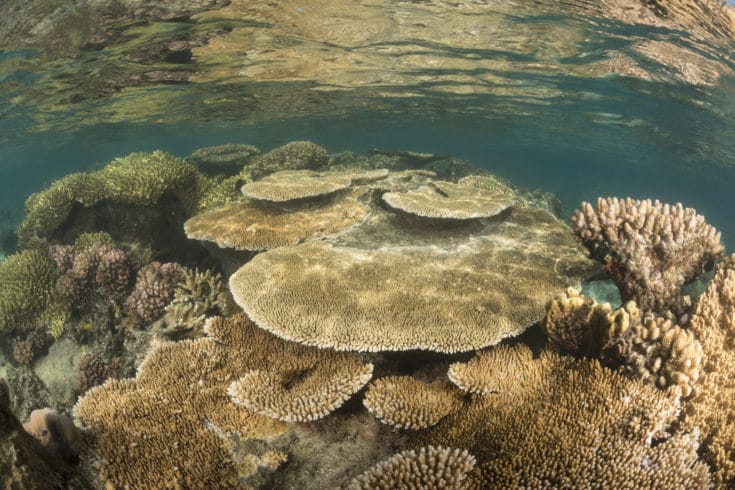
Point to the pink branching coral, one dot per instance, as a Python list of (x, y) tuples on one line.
[(154, 289), (649, 249)]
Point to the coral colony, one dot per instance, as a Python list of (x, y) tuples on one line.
[(243, 319)]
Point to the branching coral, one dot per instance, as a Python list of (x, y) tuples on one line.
[(431, 467), (27, 281), (198, 296), (560, 422), (649, 249), (154, 288)]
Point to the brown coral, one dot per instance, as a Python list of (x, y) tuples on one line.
[(460, 295), (431, 467), (573, 322), (712, 409), (407, 403), (288, 185), (93, 370), (253, 226), (302, 395), (441, 199), (649, 249), (154, 288), (560, 422)]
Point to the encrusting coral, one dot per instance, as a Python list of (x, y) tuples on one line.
[(430, 467), (441, 199), (651, 348), (465, 294), (252, 226), (407, 403), (712, 409), (561, 422), (649, 249), (167, 426)]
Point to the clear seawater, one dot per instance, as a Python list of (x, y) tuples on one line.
[(531, 105)]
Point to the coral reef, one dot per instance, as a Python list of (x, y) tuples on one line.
[(712, 409), (407, 403), (431, 467), (56, 432), (93, 370), (288, 185), (27, 349), (650, 249), (560, 422), (651, 348), (462, 294), (26, 289), (253, 226), (198, 296), (223, 159), (452, 201), (155, 286), (296, 155)]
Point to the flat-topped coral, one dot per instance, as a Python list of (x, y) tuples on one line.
[(27, 281), (252, 226), (560, 422), (441, 199), (288, 185), (712, 409), (168, 426), (464, 295), (308, 394), (502, 368), (137, 179), (223, 159), (407, 403), (649, 249), (430, 467)]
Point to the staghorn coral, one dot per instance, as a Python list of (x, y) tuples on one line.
[(137, 179), (462, 294), (252, 226), (544, 425), (407, 403), (288, 185), (198, 296), (27, 281), (155, 285), (170, 425), (430, 467), (649, 249), (712, 409), (441, 199), (307, 394)]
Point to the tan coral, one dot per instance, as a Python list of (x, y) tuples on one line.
[(303, 395), (253, 226), (288, 185), (650, 249), (712, 409), (544, 425), (430, 467), (463, 295), (407, 403), (441, 199), (571, 321)]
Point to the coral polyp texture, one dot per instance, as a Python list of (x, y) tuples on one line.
[(461, 293), (430, 467), (296, 155), (223, 159), (254, 226), (441, 199), (650, 249), (712, 409), (652, 348), (26, 289), (155, 286), (136, 179), (560, 422), (408, 403)]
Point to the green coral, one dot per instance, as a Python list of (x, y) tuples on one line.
[(138, 179), (27, 282), (85, 241), (215, 192)]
